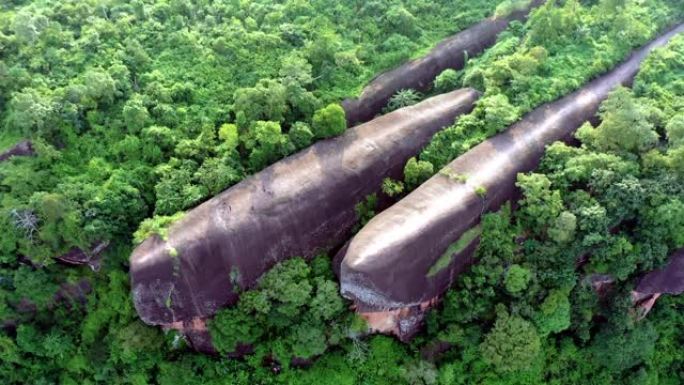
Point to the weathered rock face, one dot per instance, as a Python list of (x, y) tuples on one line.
[(393, 261), (196, 334), (90, 257), (668, 280), (402, 322), (295, 207), (420, 73), (600, 283), (23, 148)]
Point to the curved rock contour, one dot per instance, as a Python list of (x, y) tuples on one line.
[(411, 252), (419, 74), (667, 280), (296, 207)]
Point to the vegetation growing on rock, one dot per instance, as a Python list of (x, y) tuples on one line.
[(147, 108)]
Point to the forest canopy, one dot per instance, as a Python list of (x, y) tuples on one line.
[(138, 110)]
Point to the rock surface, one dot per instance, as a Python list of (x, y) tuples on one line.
[(77, 256), (419, 74), (23, 148), (296, 207), (387, 265), (667, 280), (600, 283)]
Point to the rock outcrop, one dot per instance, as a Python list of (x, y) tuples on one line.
[(23, 148), (77, 256), (667, 280), (419, 74), (413, 251), (296, 207)]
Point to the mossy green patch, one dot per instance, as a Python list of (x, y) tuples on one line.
[(507, 7), (173, 252), (454, 249), (159, 225)]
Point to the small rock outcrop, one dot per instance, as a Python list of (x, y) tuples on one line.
[(23, 148), (667, 280), (90, 257)]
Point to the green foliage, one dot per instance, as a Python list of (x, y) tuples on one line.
[(35, 286), (636, 344), (31, 112), (231, 328), (477, 290), (454, 250), (329, 121), (541, 205), (294, 311), (562, 229), (392, 187), (266, 144), (517, 278), (513, 344), (228, 133), (403, 98), (507, 7), (265, 101), (624, 126), (554, 313), (365, 211), (158, 225), (416, 172), (675, 130), (498, 113), (150, 107), (447, 81), (301, 135), (562, 46)]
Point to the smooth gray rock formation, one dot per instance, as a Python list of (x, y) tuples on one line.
[(296, 207), (391, 263)]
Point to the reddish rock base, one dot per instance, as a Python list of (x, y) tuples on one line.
[(667, 280), (196, 334), (403, 323)]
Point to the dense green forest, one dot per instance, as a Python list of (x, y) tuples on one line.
[(139, 110)]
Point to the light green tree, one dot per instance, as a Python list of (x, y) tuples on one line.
[(513, 343), (329, 121), (417, 172), (517, 278)]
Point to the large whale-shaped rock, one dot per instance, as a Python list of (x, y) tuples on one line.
[(411, 253), (296, 207), (419, 74)]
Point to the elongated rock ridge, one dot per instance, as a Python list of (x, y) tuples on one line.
[(419, 74), (296, 207), (412, 252), (667, 280)]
